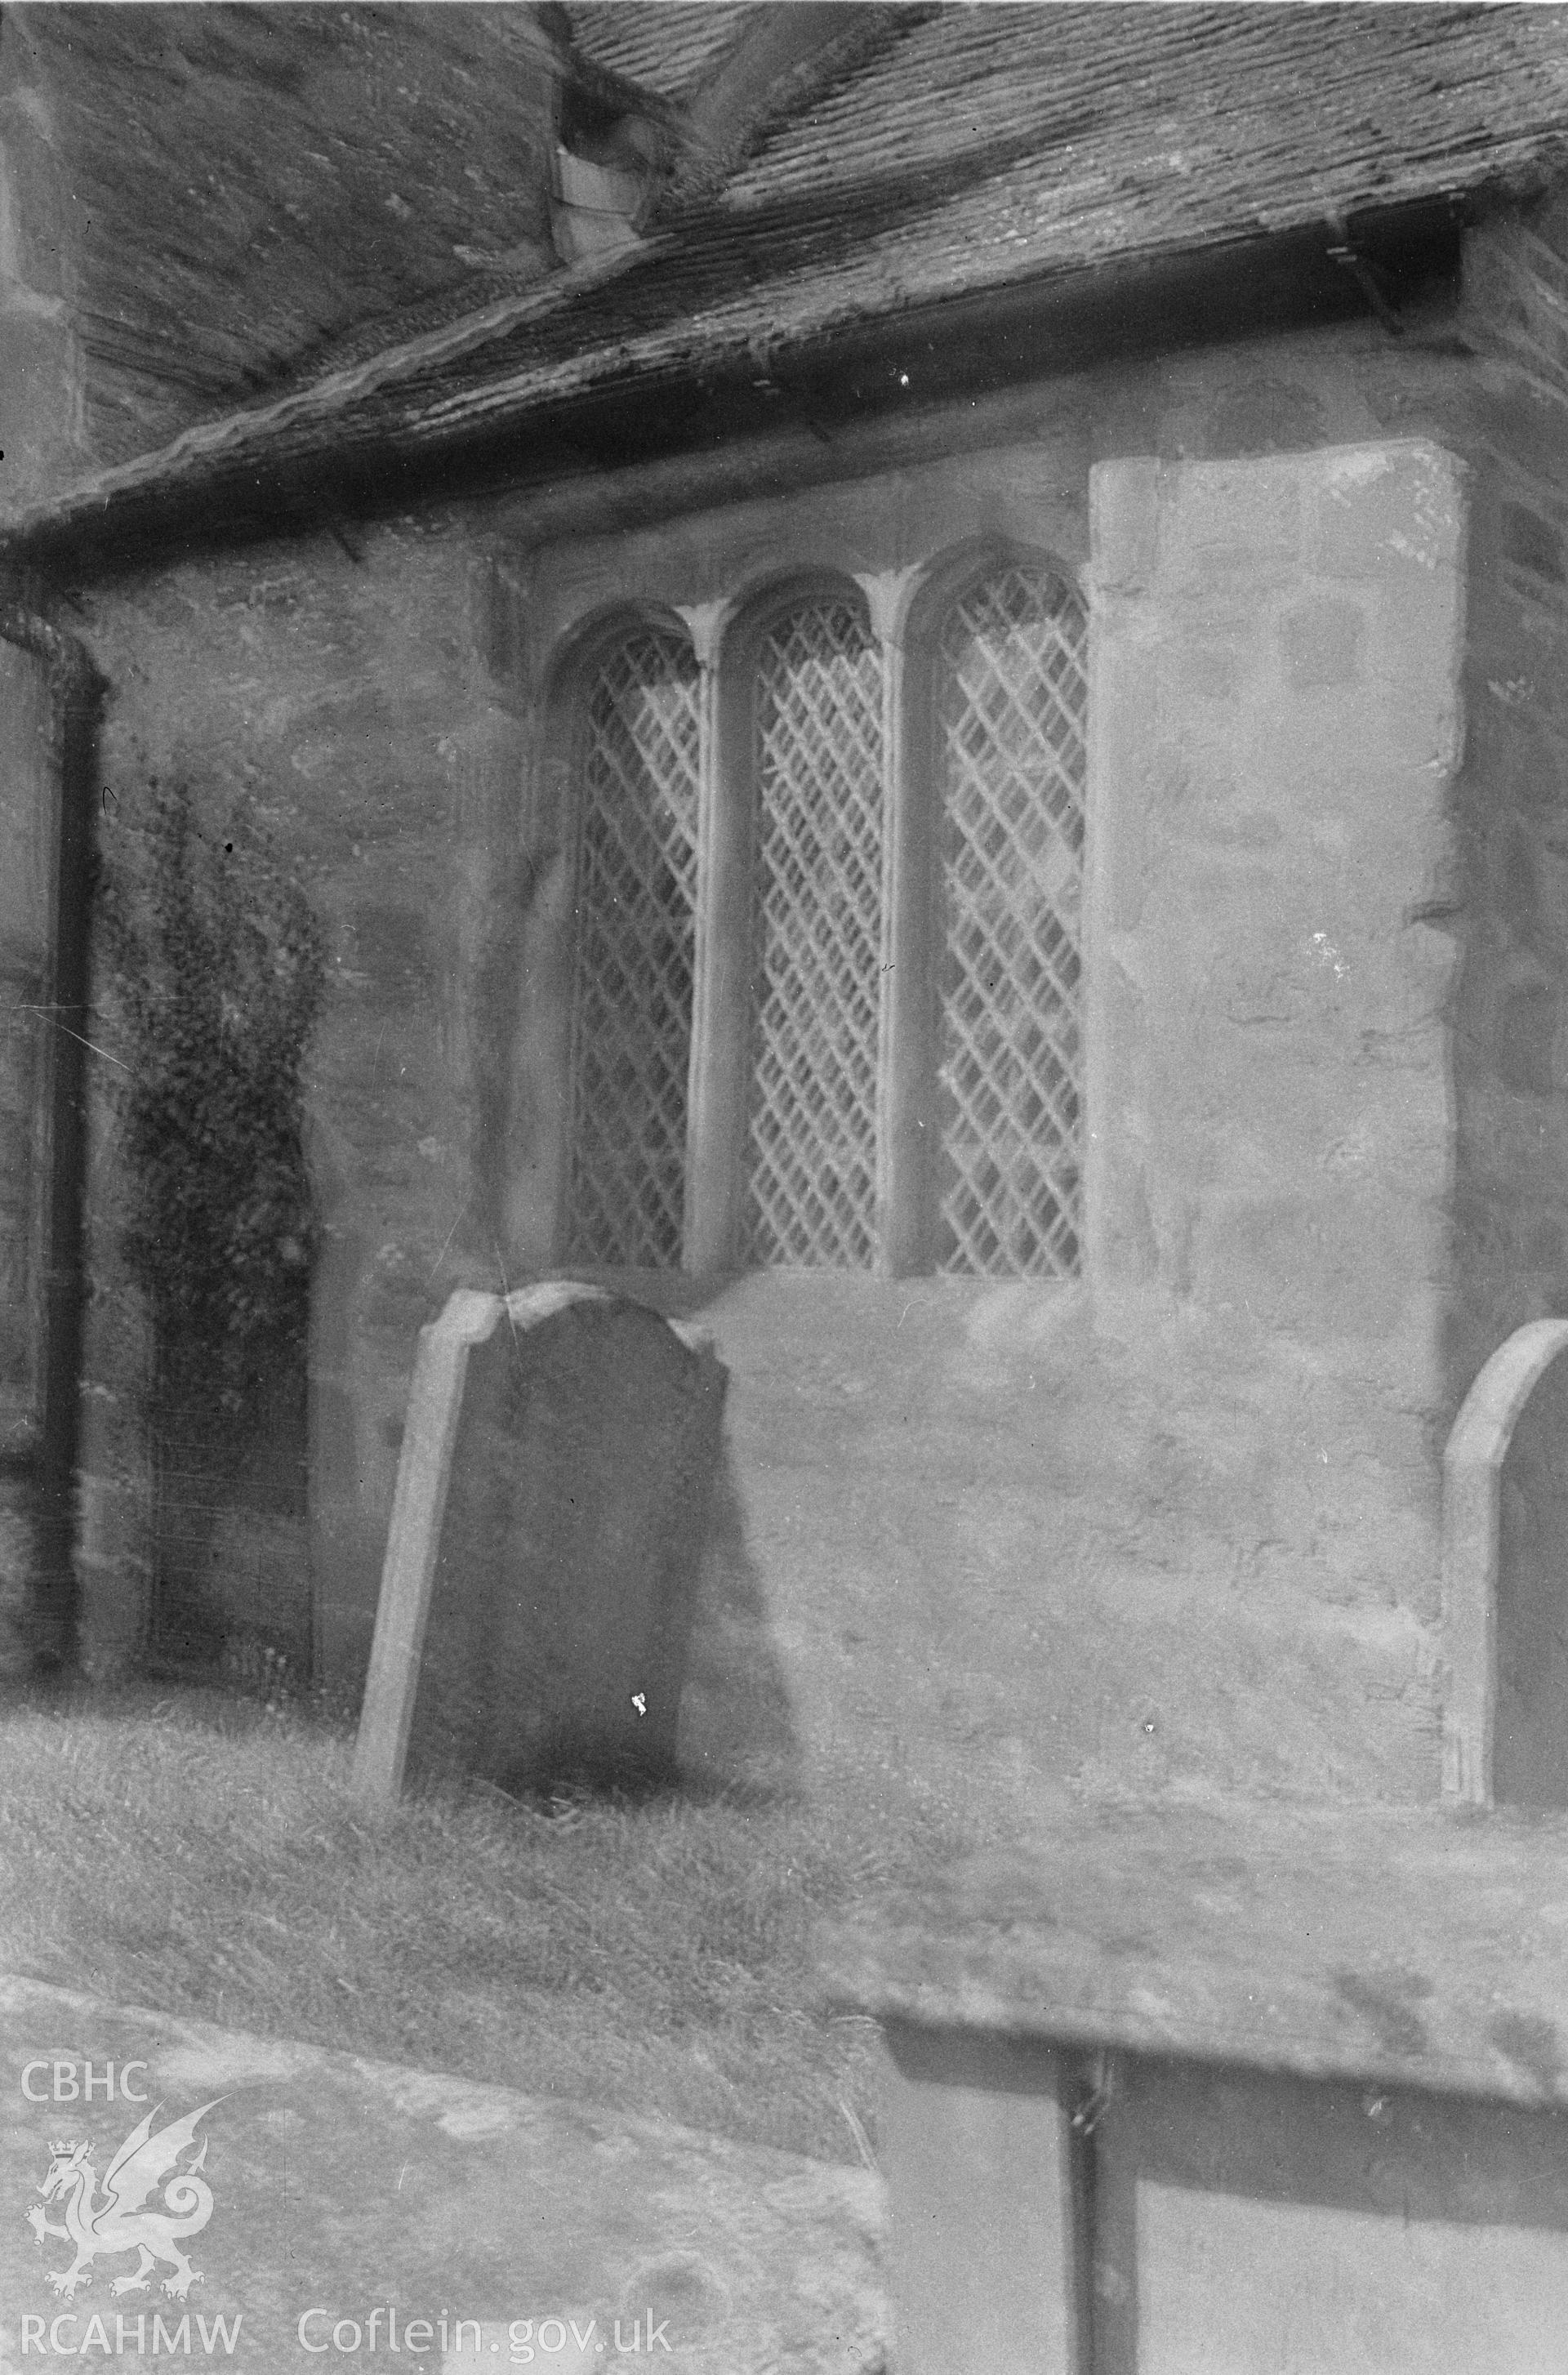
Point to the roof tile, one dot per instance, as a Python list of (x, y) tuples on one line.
[(980, 148)]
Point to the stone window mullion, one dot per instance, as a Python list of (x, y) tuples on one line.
[(908, 1025), (720, 1030)]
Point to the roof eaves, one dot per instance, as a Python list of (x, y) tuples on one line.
[(235, 436), (401, 411)]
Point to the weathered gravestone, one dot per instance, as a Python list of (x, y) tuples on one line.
[(552, 1501), (1505, 1577)]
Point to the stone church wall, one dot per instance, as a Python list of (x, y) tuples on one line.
[(1509, 905), (341, 697), (980, 1540)]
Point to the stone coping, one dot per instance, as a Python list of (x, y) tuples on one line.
[(1424, 1947)]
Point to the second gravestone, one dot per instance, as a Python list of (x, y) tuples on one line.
[(552, 1501)]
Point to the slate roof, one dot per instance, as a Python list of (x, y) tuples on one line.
[(248, 183), (979, 149), (666, 47), (1165, 118)]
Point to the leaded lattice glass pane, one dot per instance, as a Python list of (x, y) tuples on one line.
[(812, 1144), (1011, 708), (636, 907)]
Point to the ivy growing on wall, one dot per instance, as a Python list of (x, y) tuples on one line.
[(217, 970)]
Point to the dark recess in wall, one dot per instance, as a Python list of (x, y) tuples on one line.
[(48, 1472)]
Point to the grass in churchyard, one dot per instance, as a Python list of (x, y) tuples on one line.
[(202, 1855)]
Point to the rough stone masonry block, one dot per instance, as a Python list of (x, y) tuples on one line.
[(1274, 719), (552, 1510)]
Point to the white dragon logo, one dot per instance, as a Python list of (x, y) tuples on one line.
[(121, 2222)]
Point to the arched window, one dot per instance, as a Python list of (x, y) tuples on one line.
[(1011, 698), (636, 901), (818, 911), (881, 1064)]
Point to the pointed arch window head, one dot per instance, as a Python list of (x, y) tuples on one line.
[(818, 888), (636, 907), (1011, 708)]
